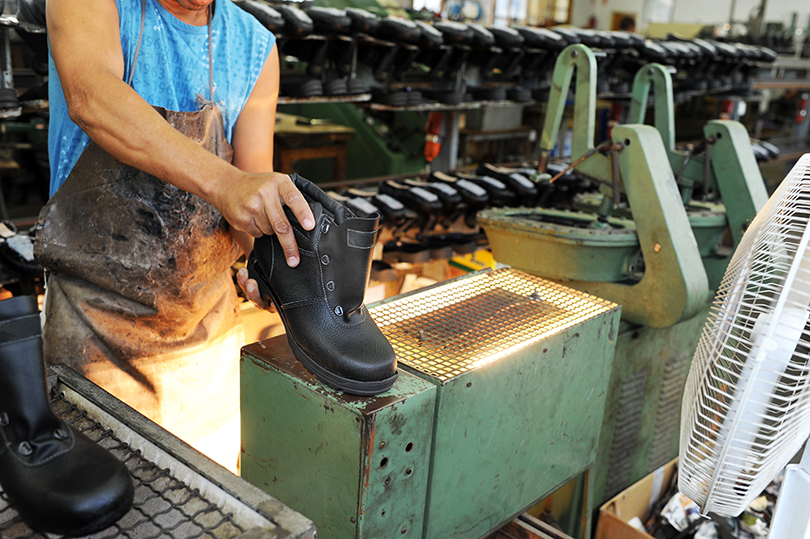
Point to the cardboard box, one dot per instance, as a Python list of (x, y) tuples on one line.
[(635, 501)]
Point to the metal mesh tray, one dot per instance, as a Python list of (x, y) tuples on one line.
[(179, 493), (463, 324)]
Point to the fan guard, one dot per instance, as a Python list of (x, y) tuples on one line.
[(745, 408)]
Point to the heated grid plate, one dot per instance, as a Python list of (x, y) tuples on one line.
[(178, 492), (464, 324)]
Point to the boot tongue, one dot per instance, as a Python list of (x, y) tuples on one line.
[(342, 214), (337, 212)]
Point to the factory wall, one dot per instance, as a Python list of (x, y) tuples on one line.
[(688, 11)]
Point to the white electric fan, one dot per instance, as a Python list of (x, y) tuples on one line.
[(746, 405)]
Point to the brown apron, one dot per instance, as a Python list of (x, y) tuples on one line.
[(140, 299), (139, 295)]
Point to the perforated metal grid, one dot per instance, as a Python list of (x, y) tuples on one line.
[(164, 506), (462, 325)]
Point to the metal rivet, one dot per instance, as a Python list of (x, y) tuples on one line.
[(657, 247), (325, 227), (60, 434), (4, 420), (25, 449), (574, 54), (339, 310), (330, 286), (325, 260)]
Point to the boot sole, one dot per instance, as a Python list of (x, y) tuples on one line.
[(335, 381)]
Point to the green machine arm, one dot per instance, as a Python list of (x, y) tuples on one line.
[(691, 170), (674, 286), (581, 58), (657, 77), (738, 177), (733, 169)]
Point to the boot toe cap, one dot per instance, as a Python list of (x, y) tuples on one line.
[(356, 350), (80, 492)]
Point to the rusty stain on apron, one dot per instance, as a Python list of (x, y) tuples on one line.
[(140, 299)]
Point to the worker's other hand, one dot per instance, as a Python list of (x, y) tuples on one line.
[(256, 203), (251, 289)]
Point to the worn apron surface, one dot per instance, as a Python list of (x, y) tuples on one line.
[(139, 295)]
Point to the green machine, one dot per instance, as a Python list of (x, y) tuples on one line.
[(499, 402), (660, 282), (727, 171), (650, 265)]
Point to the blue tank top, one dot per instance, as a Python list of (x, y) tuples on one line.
[(171, 71)]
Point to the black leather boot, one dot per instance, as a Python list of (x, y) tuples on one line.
[(320, 301), (55, 477)]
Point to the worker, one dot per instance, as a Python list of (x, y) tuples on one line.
[(161, 134)]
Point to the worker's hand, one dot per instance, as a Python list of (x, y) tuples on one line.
[(255, 206), (251, 289)]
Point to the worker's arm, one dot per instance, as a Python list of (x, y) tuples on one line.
[(86, 47), (252, 139), (253, 149)]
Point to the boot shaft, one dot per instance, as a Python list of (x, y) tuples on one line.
[(335, 255), (24, 407)]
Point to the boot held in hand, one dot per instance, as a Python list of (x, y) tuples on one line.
[(320, 301)]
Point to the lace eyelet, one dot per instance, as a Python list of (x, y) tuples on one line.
[(339, 310), (25, 449), (4, 421), (60, 433), (330, 286)]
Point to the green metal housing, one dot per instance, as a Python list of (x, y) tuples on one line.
[(664, 311), (640, 430), (528, 239), (499, 402), (358, 466)]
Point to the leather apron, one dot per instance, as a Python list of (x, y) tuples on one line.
[(140, 299)]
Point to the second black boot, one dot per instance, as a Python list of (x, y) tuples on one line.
[(55, 477), (320, 301)]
